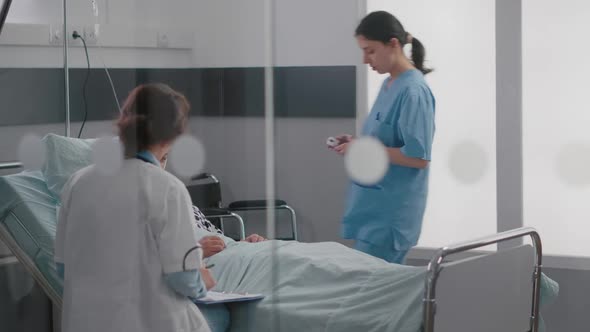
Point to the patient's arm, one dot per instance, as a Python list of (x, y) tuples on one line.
[(212, 245), (208, 278), (253, 238)]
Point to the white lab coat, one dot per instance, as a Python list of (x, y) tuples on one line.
[(117, 236)]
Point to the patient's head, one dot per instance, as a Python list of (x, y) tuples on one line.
[(152, 117)]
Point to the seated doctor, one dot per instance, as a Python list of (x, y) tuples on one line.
[(133, 265), (215, 243)]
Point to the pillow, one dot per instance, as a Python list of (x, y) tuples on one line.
[(64, 157)]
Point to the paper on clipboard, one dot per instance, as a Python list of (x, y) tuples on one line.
[(218, 297)]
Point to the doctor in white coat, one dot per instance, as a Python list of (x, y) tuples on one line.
[(122, 238)]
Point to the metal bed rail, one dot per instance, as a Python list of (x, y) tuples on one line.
[(29, 265), (435, 267), (7, 238), (10, 165)]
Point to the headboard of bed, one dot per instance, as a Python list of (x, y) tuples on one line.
[(499, 291), (488, 293)]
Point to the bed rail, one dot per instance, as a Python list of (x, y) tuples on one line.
[(435, 267), (9, 241), (10, 165)]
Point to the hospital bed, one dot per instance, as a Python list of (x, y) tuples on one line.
[(495, 291)]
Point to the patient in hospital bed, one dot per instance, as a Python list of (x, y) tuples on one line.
[(214, 243), (308, 286)]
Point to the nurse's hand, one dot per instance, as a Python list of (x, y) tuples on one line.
[(344, 138), (253, 238), (208, 278), (211, 245), (341, 149)]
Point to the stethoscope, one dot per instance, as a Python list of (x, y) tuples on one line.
[(148, 157), (198, 246)]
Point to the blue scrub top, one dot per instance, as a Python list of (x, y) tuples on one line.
[(389, 214)]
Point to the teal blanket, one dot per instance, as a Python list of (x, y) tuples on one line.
[(322, 287)]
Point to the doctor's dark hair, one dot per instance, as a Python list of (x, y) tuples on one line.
[(152, 114), (382, 26)]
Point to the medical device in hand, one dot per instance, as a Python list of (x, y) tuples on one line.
[(223, 297), (332, 142)]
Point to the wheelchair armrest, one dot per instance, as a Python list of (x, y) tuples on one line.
[(201, 176), (259, 204), (214, 212), (205, 176), (285, 238), (225, 213)]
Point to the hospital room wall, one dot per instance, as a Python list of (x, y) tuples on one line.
[(34, 98), (228, 34), (308, 177)]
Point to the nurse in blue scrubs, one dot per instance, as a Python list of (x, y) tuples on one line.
[(385, 220)]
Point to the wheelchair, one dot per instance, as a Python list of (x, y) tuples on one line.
[(205, 192)]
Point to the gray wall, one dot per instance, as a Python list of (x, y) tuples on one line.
[(309, 177), (235, 146)]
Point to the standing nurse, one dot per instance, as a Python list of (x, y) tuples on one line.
[(385, 220)]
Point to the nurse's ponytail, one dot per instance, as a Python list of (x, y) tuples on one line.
[(418, 55), (382, 26), (151, 115)]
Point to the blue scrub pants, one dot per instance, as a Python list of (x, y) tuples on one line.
[(386, 253)]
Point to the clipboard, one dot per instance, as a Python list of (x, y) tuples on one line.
[(222, 297)]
